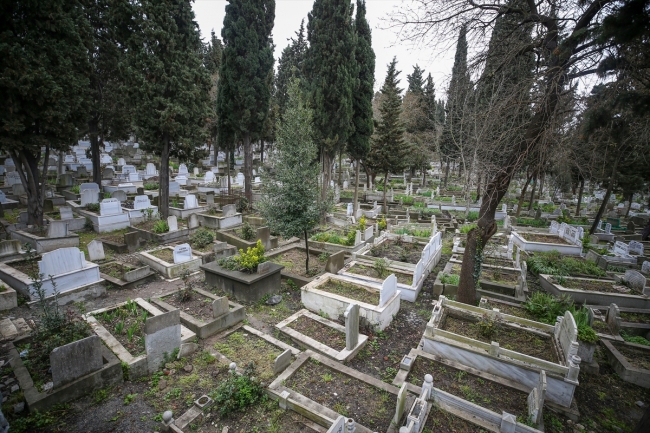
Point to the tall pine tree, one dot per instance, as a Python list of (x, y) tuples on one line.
[(289, 66), (43, 87), (213, 51), (330, 69), (454, 133), (170, 87), (359, 142), (246, 75), (416, 81), (389, 150)]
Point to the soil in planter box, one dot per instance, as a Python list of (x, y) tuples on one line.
[(635, 317), (243, 347), (498, 277), (350, 397), (115, 270), (197, 305), (126, 324), (357, 293), (294, 262), (601, 327), (398, 250), (511, 310), (116, 237), (604, 286), (369, 271), (441, 421), (164, 254), (26, 267), (637, 357), (320, 332), (548, 239), (508, 337), (44, 341), (483, 392)]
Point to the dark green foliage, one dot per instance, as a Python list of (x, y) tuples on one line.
[(201, 238), (238, 392), (416, 81), (553, 263), (247, 232), (43, 85), (430, 104), (636, 339), (330, 70), (359, 142), (546, 308), (290, 66), (169, 85)]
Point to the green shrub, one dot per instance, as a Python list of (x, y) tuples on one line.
[(424, 233), (472, 216), (75, 189), (450, 279), (532, 222), (545, 307), (160, 227), (247, 232), (246, 261), (382, 224), (201, 238), (636, 339), (93, 207), (466, 228), (151, 186), (553, 263)]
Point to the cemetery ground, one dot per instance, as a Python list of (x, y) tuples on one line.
[(606, 403)]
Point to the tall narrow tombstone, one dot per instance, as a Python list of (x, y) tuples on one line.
[(388, 289), (66, 213), (162, 335), (190, 202), (96, 250), (193, 221), (351, 326), (172, 222), (57, 229)]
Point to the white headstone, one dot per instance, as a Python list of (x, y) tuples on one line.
[(141, 202), (621, 249), (126, 169), (105, 159), (182, 169), (209, 177), (61, 261), (3, 197), (151, 169), (229, 210), (57, 229), (182, 253), (174, 188), (119, 194), (110, 206), (66, 213), (193, 221), (350, 210), (388, 289), (351, 316), (190, 202), (88, 196), (635, 279), (645, 267), (181, 179), (172, 222), (121, 161), (96, 250), (608, 228), (636, 248)]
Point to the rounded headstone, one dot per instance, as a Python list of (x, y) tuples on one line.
[(233, 366), (167, 416), (428, 378)]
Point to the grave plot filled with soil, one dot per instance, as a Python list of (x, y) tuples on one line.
[(164, 254), (603, 286), (194, 304), (352, 398), (116, 236), (635, 317), (601, 327), (294, 262), (115, 270), (322, 333), (508, 337), (27, 267), (511, 310), (485, 393), (242, 347), (547, 239), (499, 277), (126, 324), (350, 291), (638, 358), (398, 250), (370, 271), (440, 421)]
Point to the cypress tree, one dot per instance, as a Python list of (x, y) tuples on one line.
[(359, 142), (43, 87), (170, 87), (453, 133), (389, 150), (213, 51), (416, 81), (330, 69), (246, 75), (290, 65), (430, 103)]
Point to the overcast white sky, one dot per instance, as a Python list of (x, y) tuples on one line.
[(288, 13)]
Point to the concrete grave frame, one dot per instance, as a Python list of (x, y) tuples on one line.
[(74, 224), (43, 244), (465, 409), (593, 297), (286, 275), (168, 270), (182, 234), (185, 213), (110, 374), (10, 250), (236, 314), (229, 237), (562, 377), (334, 305), (137, 365), (316, 412), (310, 343), (219, 221), (242, 286), (8, 297), (622, 366), (129, 279), (101, 224), (408, 292), (359, 244), (571, 250)]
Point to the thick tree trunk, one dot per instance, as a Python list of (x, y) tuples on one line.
[(385, 188), (629, 206), (356, 187), (582, 188), (248, 167), (478, 188), (163, 194), (94, 151), (261, 152), (603, 205), (27, 168), (340, 180), (446, 173), (541, 184), (532, 193), (306, 252), (327, 174), (60, 163)]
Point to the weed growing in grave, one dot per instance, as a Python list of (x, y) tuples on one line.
[(553, 263), (340, 409), (324, 256), (151, 186), (450, 279), (184, 293), (160, 226), (101, 395), (323, 314), (388, 374), (246, 261), (129, 398), (466, 228), (327, 377), (238, 392), (38, 420), (92, 207), (636, 339), (488, 326), (291, 285), (381, 267), (201, 238), (247, 232)]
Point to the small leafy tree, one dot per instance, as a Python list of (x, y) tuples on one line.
[(290, 201)]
